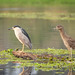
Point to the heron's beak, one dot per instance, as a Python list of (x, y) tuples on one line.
[(10, 29)]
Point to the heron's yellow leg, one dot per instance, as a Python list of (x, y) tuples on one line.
[(23, 48)]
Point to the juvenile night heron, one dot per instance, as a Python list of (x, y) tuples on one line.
[(68, 41), (22, 36)]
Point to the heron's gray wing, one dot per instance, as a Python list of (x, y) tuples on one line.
[(26, 34)]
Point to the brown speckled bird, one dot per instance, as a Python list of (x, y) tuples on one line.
[(68, 41)]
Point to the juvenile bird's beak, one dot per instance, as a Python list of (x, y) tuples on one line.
[(10, 29), (55, 28)]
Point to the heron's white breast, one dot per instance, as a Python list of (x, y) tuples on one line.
[(17, 31)]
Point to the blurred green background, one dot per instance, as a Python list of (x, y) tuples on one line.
[(24, 3)]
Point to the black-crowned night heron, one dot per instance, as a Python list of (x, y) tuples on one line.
[(22, 36)]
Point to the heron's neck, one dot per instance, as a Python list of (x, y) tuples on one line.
[(17, 31), (62, 33)]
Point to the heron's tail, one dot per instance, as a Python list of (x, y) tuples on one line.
[(29, 45)]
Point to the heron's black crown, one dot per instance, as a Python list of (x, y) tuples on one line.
[(16, 26)]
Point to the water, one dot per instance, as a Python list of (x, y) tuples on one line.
[(9, 70), (42, 36), (40, 31)]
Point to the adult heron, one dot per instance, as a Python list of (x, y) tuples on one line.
[(22, 36)]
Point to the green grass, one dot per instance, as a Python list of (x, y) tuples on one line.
[(23, 3), (40, 15)]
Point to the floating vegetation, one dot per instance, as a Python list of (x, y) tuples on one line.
[(58, 61), (40, 15)]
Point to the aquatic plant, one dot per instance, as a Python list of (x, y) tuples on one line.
[(44, 64)]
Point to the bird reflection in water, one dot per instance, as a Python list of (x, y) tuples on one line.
[(70, 69), (70, 72), (26, 71)]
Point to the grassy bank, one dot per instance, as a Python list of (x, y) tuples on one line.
[(23, 3), (40, 15)]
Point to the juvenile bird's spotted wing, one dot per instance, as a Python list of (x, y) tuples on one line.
[(71, 43)]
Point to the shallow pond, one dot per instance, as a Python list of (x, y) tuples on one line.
[(42, 35)]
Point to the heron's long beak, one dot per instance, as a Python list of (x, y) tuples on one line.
[(10, 29)]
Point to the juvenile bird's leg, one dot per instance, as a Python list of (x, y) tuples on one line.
[(23, 48), (70, 53)]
